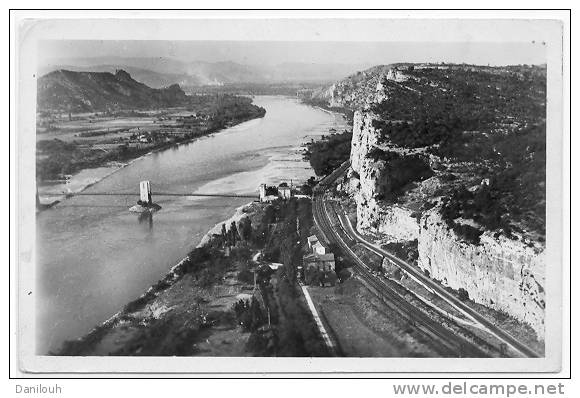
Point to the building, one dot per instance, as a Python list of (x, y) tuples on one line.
[(311, 241), (318, 248), (284, 192), (321, 262), (320, 256), (271, 193), (267, 194)]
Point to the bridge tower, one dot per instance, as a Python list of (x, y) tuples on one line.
[(145, 192)]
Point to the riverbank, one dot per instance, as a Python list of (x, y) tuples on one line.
[(85, 240), (229, 297), (111, 167), (347, 113), (182, 305)]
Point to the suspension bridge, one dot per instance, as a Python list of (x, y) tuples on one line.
[(153, 193), (145, 194)]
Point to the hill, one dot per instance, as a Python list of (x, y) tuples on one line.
[(448, 168), (161, 72), (69, 91), (482, 122)]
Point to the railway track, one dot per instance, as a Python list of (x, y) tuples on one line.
[(355, 238), (447, 343)]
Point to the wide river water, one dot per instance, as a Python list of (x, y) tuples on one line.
[(94, 256)]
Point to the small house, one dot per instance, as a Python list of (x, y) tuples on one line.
[(284, 192), (320, 258), (312, 240), (271, 193), (318, 248), (321, 262)]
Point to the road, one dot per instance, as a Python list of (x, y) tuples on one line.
[(322, 219)]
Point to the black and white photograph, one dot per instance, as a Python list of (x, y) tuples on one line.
[(290, 193)]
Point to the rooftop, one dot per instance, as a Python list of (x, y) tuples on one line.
[(319, 257)]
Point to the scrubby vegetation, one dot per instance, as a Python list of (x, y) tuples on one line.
[(328, 153), (399, 171), (493, 118), (282, 233), (442, 103)]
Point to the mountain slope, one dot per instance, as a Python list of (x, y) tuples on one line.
[(65, 90), (448, 166), (160, 72), (149, 77)]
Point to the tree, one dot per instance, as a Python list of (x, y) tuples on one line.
[(224, 234), (287, 256), (256, 313), (269, 215), (245, 228), (306, 189), (233, 233), (344, 274), (331, 278)]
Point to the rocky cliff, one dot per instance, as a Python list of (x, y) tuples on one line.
[(500, 272), (372, 213), (356, 91)]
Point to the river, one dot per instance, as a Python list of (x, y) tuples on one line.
[(94, 256)]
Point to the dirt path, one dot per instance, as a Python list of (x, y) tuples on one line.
[(332, 348)]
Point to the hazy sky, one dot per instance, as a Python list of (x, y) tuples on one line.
[(275, 39), (263, 52)]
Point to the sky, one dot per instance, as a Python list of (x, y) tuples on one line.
[(274, 39), (317, 52)]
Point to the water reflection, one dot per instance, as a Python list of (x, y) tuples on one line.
[(146, 217)]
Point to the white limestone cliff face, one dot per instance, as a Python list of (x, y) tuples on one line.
[(356, 91), (397, 75), (394, 221), (500, 273), (364, 138)]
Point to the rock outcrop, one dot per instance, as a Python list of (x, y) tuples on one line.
[(355, 91), (371, 213), (499, 272)]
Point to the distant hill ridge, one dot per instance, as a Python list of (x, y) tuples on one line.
[(361, 88), (160, 71), (69, 91)]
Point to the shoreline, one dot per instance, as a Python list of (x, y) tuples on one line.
[(175, 273), (122, 165), (172, 276), (239, 213)]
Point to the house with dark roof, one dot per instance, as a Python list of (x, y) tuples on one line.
[(320, 256), (322, 262)]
